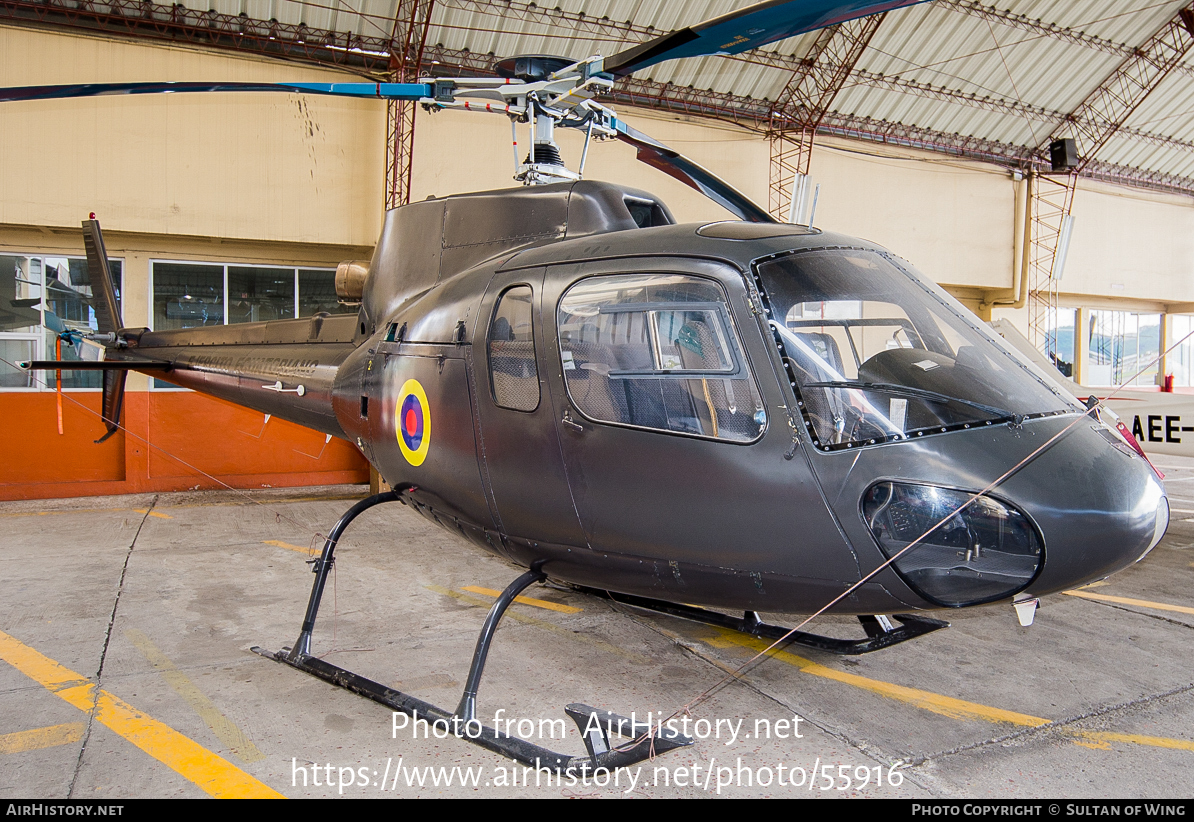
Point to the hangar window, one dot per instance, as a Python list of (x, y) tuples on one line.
[(196, 294), (42, 298), (658, 351), (1121, 343), (1059, 338), (1180, 361), (512, 369)]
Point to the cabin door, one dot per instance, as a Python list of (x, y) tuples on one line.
[(519, 447), (669, 415)]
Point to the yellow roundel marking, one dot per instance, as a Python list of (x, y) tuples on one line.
[(413, 421)]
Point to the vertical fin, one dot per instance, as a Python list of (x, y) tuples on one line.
[(113, 400), (107, 316), (107, 310)]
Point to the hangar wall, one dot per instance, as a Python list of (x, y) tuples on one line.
[(251, 180), (264, 179)]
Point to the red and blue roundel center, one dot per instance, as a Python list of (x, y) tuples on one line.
[(412, 422)]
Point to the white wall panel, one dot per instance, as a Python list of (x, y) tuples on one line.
[(246, 166)]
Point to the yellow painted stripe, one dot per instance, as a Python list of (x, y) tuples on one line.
[(538, 603), (944, 705), (936, 703), (226, 731), (1140, 603), (637, 659), (152, 513), (1101, 738), (215, 775), (280, 544), (41, 738), (64, 511)]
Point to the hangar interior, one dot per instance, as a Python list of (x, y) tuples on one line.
[(926, 130), (938, 131)]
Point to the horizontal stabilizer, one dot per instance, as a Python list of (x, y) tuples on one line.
[(91, 365)]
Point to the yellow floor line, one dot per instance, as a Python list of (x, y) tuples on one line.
[(152, 513), (937, 703), (1140, 603), (39, 738), (226, 731), (285, 501), (65, 511), (215, 775), (637, 659), (944, 705), (1104, 737), (280, 544), (538, 603)]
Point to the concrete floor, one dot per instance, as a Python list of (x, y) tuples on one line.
[(153, 602)]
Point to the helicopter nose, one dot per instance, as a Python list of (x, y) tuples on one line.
[(1077, 511), (1099, 505)]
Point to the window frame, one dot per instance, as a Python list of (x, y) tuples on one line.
[(159, 385), (534, 349), (38, 337), (736, 347)]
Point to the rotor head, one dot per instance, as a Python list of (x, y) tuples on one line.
[(531, 68)]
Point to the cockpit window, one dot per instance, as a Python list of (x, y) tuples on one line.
[(876, 353), (658, 351)]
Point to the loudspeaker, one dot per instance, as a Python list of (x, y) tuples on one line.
[(1063, 154)]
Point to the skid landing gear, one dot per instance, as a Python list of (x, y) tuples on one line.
[(596, 726), (881, 633)]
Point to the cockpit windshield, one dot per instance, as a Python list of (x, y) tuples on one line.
[(876, 353)]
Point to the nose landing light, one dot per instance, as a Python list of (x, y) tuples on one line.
[(966, 552)]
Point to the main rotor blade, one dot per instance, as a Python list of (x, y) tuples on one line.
[(674, 164), (747, 28), (385, 91)]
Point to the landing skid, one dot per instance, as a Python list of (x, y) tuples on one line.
[(879, 630), (596, 726)]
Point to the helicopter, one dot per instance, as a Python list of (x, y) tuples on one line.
[(745, 415)]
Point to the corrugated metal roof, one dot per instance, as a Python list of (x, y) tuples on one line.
[(1009, 74)]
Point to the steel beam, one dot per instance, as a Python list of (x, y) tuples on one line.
[(1093, 122), (372, 56), (804, 102), (1104, 111), (411, 21), (630, 32), (177, 23)]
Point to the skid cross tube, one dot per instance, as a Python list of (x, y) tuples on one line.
[(302, 646), (596, 726), (467, 709)]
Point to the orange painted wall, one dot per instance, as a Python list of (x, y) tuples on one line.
[(174, 441)]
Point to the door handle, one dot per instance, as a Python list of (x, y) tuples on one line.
[(571, 423)]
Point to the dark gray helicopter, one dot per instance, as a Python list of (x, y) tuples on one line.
[(743, 415)]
